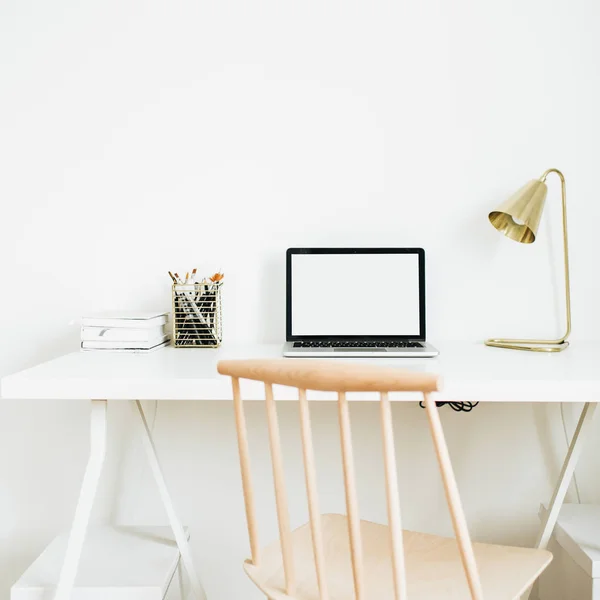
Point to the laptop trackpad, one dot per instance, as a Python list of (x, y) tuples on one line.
[(360, 349)]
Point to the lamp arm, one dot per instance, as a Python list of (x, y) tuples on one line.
[(565, 249), (560, 343)]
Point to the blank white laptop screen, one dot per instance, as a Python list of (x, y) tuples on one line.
[(355, 295)]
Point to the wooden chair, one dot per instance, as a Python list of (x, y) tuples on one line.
[(336, 557)]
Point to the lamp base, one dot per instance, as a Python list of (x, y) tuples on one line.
[(528, 345)]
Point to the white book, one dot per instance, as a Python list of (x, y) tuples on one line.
[(133, 320), (144, 345), (122, 346), (123, 334)]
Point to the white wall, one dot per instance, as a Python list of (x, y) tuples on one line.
[(137, 137)]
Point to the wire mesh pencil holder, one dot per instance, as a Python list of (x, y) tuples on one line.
[(197, 319)]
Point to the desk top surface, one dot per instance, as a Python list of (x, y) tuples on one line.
[(470, 371)]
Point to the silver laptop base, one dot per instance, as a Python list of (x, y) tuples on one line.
[(427, 351)]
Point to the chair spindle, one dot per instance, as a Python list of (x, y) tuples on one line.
[(312, 494), (351, 496), (393, 499), (459, 521), (283, 516), (244, 451)]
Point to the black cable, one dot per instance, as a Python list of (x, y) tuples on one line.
[(456, 406)]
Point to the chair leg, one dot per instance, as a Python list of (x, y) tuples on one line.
[(85, 503), (178, 531)]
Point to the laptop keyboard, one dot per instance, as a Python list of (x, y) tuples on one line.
[(357, 344)]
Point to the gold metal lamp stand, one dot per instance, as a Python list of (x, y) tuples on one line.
[(518, 219)]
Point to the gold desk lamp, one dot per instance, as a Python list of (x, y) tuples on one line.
[(518, 218)]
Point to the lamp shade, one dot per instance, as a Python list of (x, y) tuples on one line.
[(519, 217)]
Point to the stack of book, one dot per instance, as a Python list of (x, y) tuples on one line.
[(125, 332)]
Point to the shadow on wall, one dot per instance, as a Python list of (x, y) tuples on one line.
[(554, 437), (272, 298), (36, 350), (547, 444)]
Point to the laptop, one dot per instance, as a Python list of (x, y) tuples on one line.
[(356, 302)]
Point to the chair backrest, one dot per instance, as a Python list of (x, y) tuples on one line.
[(341, 378)]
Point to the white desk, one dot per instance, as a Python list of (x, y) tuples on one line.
[(471, 372)]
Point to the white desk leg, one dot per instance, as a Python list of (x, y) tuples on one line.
[(566, 474), (85, 502), (565, 477), (178, 531)]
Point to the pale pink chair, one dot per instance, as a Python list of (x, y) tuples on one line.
[(340, 557)]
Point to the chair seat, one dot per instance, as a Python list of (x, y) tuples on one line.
[(433, 565)]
